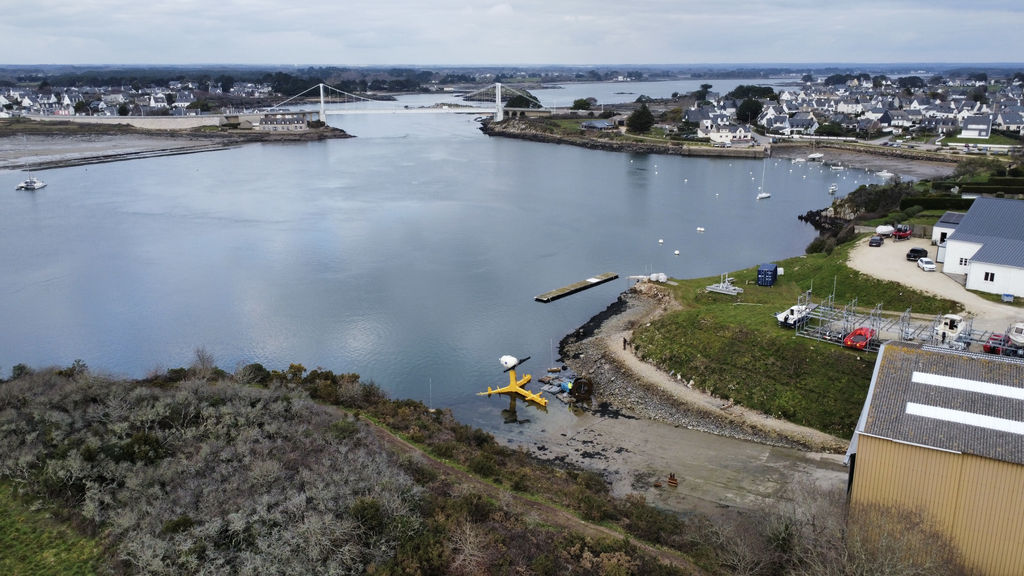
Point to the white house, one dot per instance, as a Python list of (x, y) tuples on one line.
[(988, 247), (976, 127)]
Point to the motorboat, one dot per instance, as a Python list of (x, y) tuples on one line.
[(886, 174), (816, 157), (32, 183), (794, 316), (1016, 333), (763, 195), (833, 188), (950, 327)]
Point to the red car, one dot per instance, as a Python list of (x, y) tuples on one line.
[(859, 338), (902, 232), (997, 344)]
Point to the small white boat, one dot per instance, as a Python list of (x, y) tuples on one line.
[(837, 167), (31, 184), (799, 160), (815, 157), (1016, 333), (763, 195), (886, 174), (795, 315), (833, 188)]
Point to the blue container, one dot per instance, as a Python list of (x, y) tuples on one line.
[(767, 274)]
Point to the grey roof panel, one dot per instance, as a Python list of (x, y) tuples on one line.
[(994, 217), (977, 407)]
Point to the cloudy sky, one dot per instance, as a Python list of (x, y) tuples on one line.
[(468, 32)]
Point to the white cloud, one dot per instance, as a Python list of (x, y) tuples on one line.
[(367, 32)]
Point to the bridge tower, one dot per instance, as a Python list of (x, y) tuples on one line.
[(323, 110), (499, 112)]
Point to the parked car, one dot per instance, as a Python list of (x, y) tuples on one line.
[(926, 264), (902, 232), (859, 338), (915, 254), (997, 344), (875, 241)]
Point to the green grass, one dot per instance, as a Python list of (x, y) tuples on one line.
[(33, 543), (734, 348), (993, 140)]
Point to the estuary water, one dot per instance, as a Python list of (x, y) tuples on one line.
[(409, 254)]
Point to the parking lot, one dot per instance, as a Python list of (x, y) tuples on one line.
[(889, 262)]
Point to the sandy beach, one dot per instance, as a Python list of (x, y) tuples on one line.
[(36, 152)]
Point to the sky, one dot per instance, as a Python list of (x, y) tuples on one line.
[(509, 32)]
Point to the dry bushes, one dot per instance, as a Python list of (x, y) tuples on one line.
[(200, 478)]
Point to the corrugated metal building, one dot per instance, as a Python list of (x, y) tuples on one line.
[(942, 433)]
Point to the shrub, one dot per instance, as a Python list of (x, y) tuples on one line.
[(252, 375), (344, 429)]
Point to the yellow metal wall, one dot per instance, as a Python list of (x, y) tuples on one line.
[(990, 524), (905, 476), (977, 501)]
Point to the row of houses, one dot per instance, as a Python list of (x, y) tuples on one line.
[(174, 99), (868, 110)]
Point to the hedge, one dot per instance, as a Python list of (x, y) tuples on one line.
[(936, 202)]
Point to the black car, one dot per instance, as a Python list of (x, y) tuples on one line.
[(916, 253), (875, 241)]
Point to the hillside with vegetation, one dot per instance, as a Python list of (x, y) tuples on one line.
[(197, 471), (733, 348)]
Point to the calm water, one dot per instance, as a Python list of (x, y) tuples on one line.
[(410, 254)]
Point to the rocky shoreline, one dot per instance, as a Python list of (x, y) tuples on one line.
[(620, 388), (523, 131)]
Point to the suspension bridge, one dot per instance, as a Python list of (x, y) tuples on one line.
[(326, 93)]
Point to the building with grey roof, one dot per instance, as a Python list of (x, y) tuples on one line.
[(941, 435), (988, 247)]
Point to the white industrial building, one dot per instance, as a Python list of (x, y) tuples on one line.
[(988, 247)]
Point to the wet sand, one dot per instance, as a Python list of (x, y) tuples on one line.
[(34, 151), (905, 168)]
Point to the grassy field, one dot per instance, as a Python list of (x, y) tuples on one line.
[(993, 140), (34, 544), (733, 346)]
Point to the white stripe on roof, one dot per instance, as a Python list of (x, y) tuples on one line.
[(968, 385), (969, 418)]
